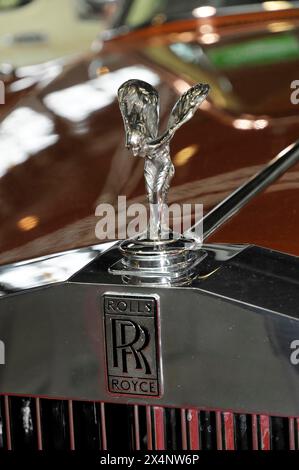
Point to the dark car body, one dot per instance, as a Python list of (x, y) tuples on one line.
[(62, 137), (72, 156)]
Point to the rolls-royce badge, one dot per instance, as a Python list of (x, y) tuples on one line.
[(132, 344)]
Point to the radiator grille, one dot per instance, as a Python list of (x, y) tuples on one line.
[(33, 423)]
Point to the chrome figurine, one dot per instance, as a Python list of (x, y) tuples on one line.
[(139, 105)]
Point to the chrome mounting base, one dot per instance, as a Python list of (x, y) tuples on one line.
[(158, 262)]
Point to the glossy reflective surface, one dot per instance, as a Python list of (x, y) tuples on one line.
[(46, 270), (232, 329), (61, 136)]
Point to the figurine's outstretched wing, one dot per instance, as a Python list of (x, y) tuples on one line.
[(186, 106), (139, 105)]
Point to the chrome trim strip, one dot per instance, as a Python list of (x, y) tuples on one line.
[(47, 270)]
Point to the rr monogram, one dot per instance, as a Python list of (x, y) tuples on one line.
[(122, 333), (131, 345)]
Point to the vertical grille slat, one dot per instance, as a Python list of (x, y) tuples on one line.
[(136, 428), (103, 427), (149, 428), (193, 425), (264, 432), (255, 440), (219, 431), (7, 423), (184, 429), (292, 440), (38, 425), (229, 434), (159, 431), (71, 425)]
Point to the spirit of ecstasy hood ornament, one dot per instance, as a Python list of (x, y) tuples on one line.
[(139, 105), (159, 256)]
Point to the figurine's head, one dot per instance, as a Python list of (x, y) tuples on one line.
[(139, 104)]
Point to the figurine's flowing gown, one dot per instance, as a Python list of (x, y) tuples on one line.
[(158, 171)]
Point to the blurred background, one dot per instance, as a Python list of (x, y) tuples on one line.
[(33, 31), (62, 147)]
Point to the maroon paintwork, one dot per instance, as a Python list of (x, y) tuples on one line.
[(62, 140)]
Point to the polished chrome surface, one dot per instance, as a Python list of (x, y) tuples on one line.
[(245, 193), (60, 267), (139, 105), (171, 263), (158, 256), (47, 270), (231, 329)]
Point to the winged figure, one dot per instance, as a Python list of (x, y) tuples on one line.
[(139, 105)]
